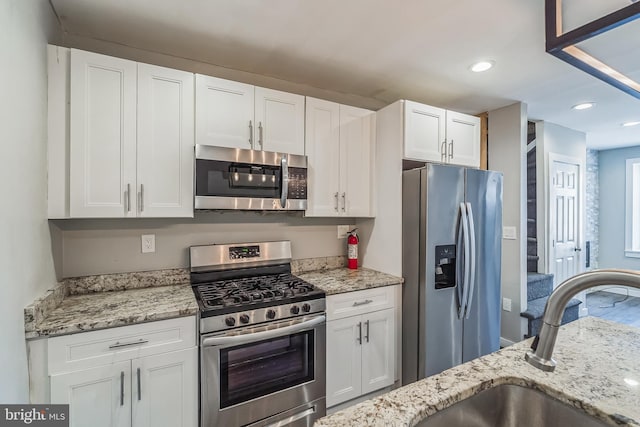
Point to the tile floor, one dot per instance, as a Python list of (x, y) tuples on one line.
[(614, 307)]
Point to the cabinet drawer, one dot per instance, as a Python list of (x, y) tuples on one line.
[(359, 302), (90, 349)]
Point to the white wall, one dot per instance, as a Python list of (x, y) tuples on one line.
[(612, 208), (26, 265), (508, 154), (91, 246)]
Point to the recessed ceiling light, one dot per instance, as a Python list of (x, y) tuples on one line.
[(628, 124), (584, 106), (481, 66)]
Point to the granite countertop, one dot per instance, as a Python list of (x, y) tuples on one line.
[(341, 280), (80, 313), (594, 358)]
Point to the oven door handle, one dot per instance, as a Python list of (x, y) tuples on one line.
[(264, 335)]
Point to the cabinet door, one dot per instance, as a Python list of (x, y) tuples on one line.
[(378, 350), (463, 138), (165, 390), (224, 112), (102, 136), (98, 397), (343, 360), (165, 142), (424, 132), (280, 121), (356, 136), (323, 153)]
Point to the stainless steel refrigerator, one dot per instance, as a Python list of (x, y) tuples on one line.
[(452, 246)]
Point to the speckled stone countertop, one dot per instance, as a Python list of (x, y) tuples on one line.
[(79, 313), (340, 280), (594, 358)]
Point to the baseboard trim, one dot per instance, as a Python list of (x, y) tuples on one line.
[(505, 342), (621, 290)]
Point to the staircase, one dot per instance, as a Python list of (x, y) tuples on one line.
[(539, 287)]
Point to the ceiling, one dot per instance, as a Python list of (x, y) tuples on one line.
[(387, 50)]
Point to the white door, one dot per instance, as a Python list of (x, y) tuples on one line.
[(165, 142), (463, 139), (378, 350), (564, 217), (343, 360), (356, 137), (224, 113), (102, 136), (280, 121), (323, 155), (165, 390), (98, 397), (424, 132)]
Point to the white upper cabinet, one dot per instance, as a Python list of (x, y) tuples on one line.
[(102, 136), (339, 145), (424, 132), (433, 134), (237, 115), (224, 113), (130, 140), (165, 142), (280, 121), (463, 137)]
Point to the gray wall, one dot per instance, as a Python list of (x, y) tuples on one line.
[(592, 206), (508, 154), (612, 208), (26, 266), (89, 246)]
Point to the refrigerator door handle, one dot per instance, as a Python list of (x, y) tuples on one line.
[(466, 244), (472, 260)]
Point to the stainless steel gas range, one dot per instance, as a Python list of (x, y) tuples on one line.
[(262, 337)]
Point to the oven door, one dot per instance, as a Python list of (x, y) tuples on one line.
[(231, 178), (251, 374)]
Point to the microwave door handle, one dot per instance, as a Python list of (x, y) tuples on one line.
[(264, 335), (284, 172)]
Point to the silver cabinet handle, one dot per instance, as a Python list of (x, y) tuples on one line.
[(360, 333), (260, 141), (121, 388), (336, 196), (451, 149), (141, 197), (365, 302), (250, 133), (139, 386), (443, 151), (344, 202), (366, 337), (127, 198), (118, 344)]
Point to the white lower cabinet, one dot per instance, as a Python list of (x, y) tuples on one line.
[(144, 386), (360, 346)]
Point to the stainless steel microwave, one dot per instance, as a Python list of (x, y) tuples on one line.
[(234, 178)]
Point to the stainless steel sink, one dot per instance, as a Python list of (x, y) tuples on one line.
[(510, 405)]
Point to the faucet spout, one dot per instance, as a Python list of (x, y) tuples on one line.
[(542, 348)]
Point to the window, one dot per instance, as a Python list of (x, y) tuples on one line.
[(632, 200)]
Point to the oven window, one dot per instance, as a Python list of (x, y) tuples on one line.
[(258, 369)]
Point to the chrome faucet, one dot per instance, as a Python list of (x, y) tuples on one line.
[(542, 347)]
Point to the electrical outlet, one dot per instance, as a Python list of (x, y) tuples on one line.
[(506, 304), (148, 243), (343, 230)]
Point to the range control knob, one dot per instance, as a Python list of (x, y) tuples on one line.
[(244, 318), (295, 309), (271, 314), (306, 307), (230, 321)]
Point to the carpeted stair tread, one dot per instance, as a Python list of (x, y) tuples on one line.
[(535, 308), (539, 285)]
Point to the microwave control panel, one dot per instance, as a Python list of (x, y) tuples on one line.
[(297, 187)]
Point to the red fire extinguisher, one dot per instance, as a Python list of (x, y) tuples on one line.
[(352, 252)]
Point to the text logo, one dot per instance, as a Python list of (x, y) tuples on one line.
[(34, 415)]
